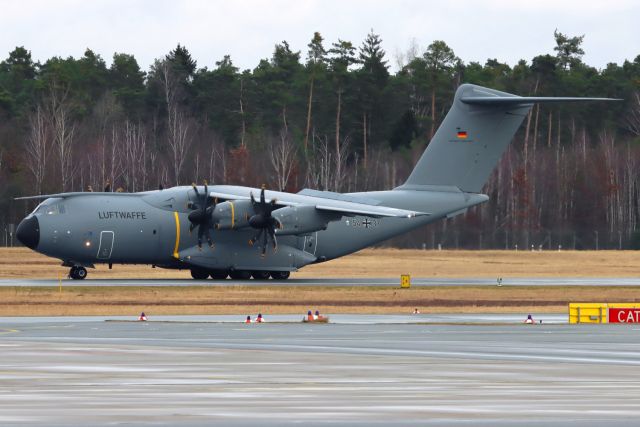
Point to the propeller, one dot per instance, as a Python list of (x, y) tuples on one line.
[(264, 222), (201, 215)]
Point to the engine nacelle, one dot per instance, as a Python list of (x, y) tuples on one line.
[(233, 214), (302, 219)]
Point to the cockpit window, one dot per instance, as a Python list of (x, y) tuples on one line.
[(51, 207), (49, 210)]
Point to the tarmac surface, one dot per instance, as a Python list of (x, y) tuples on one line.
[(360, 370), (415, 281)]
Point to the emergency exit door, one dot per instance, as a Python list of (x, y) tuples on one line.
[(106, 245)]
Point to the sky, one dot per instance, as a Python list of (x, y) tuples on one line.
[(248, 29)]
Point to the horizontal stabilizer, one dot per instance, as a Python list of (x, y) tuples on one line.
[(515, 100)]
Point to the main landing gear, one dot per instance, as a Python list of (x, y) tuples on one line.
[(280, 275), (78, 272), (199, 274), (202, 274)]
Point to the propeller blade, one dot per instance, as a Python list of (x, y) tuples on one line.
[(206, 195), (274, 242), (208, 236), (255, 238)]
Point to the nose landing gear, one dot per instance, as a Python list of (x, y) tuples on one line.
[(78, 272)]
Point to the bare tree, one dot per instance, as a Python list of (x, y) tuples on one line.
[(217, 151), (327, 160), (633, 118), (59, 116), (327, 170), (242, 115), (177, 123), (135, 155), (37, 147), (283, 154), (117, 159), (403, 58), (106, 114)]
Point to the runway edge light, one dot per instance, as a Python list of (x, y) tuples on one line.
[(405, 281)]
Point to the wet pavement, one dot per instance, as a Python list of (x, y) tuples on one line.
[(199, 370)]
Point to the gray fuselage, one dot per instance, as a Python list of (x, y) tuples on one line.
[(153, 228)]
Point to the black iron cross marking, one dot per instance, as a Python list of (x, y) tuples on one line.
[(366, 223)]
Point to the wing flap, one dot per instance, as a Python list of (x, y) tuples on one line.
[(373, 211)]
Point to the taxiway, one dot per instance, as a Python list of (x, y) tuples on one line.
[(415, 281), (361, 370)]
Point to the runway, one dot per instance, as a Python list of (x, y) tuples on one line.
[(361, 371), (342, 282)]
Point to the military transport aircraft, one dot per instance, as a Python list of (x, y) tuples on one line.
[(222, 230)]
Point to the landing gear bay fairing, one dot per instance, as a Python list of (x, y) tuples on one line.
[(222, 230)]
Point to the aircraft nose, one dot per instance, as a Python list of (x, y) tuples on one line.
[(28, 232)]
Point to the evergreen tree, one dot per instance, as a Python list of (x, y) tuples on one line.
[(372, 76), (315, 65), (342, 56), (569, 50), (440, 63), (17, 81), (127, 81)]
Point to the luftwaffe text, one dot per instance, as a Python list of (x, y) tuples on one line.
[(122, 215)]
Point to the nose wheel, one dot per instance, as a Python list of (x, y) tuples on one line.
[(78, 273)]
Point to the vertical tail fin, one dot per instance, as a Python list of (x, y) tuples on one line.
[(472, 138)]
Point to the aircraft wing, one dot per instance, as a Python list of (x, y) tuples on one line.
[(71, 194), (346, 205)]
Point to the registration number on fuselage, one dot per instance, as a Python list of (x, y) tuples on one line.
[(363, 222)]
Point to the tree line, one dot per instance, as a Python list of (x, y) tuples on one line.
[(332, 118)]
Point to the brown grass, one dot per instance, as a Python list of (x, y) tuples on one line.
[(78, 300), (24, 263), (232, 299)]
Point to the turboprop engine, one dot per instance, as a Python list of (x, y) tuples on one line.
[(228, 215), (302, 219)]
